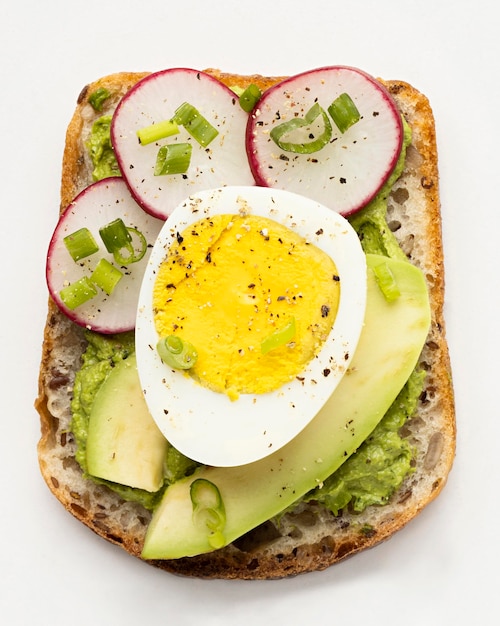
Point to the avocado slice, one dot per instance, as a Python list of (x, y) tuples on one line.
[(389, 348), (124, 444)]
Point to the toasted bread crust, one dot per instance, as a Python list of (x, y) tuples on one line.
[(311, 538)]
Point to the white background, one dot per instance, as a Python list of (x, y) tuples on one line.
[(443, 567)]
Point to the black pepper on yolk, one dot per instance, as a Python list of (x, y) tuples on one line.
[(228, 283)]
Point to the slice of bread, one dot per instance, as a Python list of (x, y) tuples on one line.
[(310, 538)]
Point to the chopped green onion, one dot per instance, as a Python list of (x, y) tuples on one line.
[(158, 131), (115, 235), (279, 337), (307, 147), (98, 98), (174, 158), (196, 125), (184, 113), (208, 510), (106, 276), (118, 238), (344, 112), (177, 353), (78, 293), (81, 244), (249, 98), (386, 281)]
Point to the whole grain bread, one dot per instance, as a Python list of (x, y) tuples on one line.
[(309, 538)]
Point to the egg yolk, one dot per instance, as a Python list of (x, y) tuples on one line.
[(232, 284)]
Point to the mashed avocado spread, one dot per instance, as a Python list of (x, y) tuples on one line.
[(370, 476), (101, 151)]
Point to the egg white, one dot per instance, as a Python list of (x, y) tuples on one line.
[(207, 426)]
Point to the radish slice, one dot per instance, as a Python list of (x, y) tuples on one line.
[(155, 99), (347, 172), (95, 207)]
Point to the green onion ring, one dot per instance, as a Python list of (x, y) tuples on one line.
[(177, 353), (134, 255), (106, 276), (196, 125), (344, 112), (173, 158), (249, 97), (78, 293), (300, 122), (80, 244), (208, 510)]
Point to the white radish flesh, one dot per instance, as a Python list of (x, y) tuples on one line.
[(352, 167), (155, 99), (98, 205)]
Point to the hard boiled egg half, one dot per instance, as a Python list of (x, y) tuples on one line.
[(268, 288)]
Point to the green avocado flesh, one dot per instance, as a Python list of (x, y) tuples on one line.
[(388, 350), (124, 444)]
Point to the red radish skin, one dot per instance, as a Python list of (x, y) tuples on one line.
[(96, 206), (352, 168), (154, 99)]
